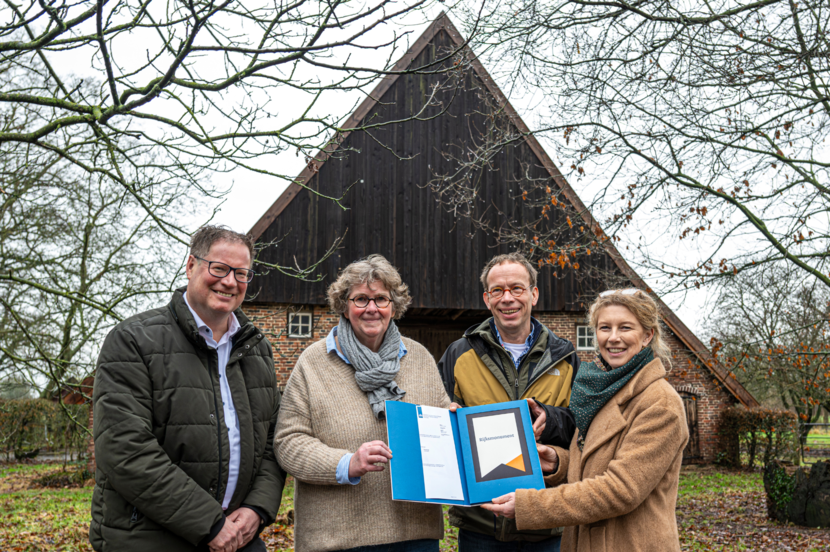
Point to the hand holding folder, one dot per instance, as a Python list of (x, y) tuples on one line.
[(465, 457)]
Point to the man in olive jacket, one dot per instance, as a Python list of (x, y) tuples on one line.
[(185, 406), (511, 356)]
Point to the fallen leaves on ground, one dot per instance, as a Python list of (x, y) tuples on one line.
[(280, 534), (717, 510), (19, 477), (41, 520), (726, 511)]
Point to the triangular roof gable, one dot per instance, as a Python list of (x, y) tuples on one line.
[(442, 22)]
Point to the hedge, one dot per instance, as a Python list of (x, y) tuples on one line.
[(763, 434), (30, 425)]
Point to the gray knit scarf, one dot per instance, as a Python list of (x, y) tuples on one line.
[(374, 372)]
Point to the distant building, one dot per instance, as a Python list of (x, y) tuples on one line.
[(391, 211)]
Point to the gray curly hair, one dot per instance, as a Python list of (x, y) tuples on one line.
[(374, 268)]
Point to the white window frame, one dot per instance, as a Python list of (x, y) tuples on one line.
[(301, 320), (584, 333)]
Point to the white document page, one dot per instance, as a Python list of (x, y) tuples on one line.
[(498, 442), (442, 478)]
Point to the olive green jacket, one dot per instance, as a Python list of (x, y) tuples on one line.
[(161, 444)]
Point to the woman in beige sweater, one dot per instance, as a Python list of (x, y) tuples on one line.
[(331, 432), (623, 464)]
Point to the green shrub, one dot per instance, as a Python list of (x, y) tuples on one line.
[(779, 486), (764, 434), (28, 425)]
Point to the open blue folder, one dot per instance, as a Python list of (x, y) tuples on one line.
[(492, 461)]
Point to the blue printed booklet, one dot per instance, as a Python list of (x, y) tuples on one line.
[(466, 457)]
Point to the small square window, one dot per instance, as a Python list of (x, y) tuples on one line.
[(584, 338), (299, 324)]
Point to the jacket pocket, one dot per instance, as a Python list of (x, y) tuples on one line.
[(598, 539)]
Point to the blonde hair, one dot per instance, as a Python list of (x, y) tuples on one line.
[(645, 310), (374, 268)]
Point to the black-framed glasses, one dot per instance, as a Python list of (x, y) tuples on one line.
[(220, 270), (497, 292), (362, 301)]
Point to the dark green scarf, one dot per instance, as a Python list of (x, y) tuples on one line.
[(595, 385)]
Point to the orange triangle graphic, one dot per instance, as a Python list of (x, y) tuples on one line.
[(518, 463)]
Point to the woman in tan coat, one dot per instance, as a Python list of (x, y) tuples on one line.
[(623, 464)]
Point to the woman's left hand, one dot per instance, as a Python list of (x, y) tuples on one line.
[(454, 407), (503, 505)]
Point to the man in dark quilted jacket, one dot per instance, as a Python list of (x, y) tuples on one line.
[(185, 405)]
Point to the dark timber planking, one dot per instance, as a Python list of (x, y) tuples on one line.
[(434, 251), (393, 212)]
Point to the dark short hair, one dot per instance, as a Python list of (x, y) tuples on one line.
[(203, 239), (514, 257)]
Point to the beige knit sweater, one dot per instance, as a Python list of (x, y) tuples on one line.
[(324, 415)]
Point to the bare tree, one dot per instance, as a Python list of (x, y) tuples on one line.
[(705, 122), (771, 330), (116, 117), (78, 255)]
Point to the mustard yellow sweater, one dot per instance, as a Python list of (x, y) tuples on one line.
[(324, 415)]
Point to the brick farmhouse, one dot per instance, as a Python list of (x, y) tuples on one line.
[(383, 174)]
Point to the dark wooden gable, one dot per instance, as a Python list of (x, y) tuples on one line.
[(392, 211)]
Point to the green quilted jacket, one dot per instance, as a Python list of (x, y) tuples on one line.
[(161, 446)]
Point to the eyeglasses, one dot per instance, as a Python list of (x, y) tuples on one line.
[(220, 270), (628, 291), (362, 301), (515, 291)]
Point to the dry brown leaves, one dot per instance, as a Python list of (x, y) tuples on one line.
[(723, 519)]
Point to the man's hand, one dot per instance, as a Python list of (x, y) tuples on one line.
[(548, 458), (367, 455), (229, 538), (248, 522), (503, 505), (539, 417), (454, 407)]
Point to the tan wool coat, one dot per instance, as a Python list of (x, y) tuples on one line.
[(324, 415), (622, 487)]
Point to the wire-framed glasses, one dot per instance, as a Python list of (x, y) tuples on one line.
[(362, 301), (220, 270), (515, 291)]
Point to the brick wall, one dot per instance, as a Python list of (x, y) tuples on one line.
[(687, 374), (272, 319)]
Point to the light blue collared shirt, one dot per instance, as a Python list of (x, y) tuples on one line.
[(223, 352), (518, 351), (342, 473)]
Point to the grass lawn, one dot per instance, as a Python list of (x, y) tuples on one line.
[(41, 519), (716, 510)]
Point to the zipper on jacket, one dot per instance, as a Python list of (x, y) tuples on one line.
[(136, 516), (515, 370), (218, 434)]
